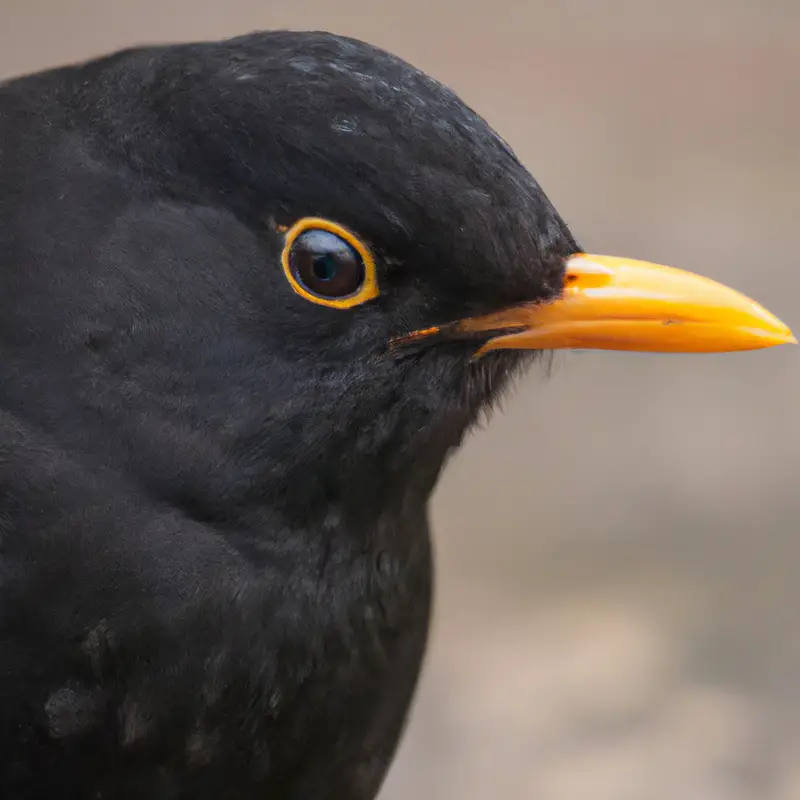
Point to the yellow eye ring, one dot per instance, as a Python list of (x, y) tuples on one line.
[(327, 264)]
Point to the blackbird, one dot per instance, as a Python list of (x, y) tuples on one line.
[(254, 293)]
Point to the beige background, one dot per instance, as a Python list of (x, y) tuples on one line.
[(619, 551)]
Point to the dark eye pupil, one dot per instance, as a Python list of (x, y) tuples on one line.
[(325, 264), (325, 267)]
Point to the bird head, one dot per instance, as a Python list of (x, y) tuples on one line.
[(306, 268)]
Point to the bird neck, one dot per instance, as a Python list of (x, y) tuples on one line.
[(287, 465)]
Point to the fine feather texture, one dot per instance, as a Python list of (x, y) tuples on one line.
[(215, 570)]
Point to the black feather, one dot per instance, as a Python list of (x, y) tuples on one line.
[(215, 571)]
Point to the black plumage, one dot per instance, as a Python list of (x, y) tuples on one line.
[(215, 571)]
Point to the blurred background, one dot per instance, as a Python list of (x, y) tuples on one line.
[(618, 553)]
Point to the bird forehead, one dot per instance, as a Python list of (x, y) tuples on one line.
[(362, 107), (374, 79), (350, 80), (339, 128)]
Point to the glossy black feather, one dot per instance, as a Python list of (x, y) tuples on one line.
[(215, 571)]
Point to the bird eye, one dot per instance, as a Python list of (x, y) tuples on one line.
[(328, 265), (325, 264)]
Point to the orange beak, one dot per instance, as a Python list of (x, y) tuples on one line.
[(619, 304)]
